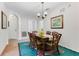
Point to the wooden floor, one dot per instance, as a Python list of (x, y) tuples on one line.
[(11, 49)]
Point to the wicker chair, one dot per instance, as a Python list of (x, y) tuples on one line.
[(53, 44), (41, 44), (32, 40), (48, 32), (34, 32)]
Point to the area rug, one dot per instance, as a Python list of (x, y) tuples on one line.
[(25, 50)]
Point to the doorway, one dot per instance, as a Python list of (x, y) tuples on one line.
[(13, 27)]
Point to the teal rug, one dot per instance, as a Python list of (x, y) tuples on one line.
[(25, 50)]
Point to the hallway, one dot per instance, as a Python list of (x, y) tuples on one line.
[(11, 49)]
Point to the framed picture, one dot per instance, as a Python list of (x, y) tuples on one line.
[(57, 22), (3, 20), (8, 24)]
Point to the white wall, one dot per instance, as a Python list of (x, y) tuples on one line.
[(28, 25), (3, 32), (70, 32)]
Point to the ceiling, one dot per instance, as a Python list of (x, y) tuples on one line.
[(30, 8)]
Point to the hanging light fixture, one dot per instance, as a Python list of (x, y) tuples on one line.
[(43, 13)]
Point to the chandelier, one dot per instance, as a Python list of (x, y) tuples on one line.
[(43, 12)]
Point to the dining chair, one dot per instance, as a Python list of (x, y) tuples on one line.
[(48, 32), (34, 32), (52, 45), (32, 40), (40, 42)]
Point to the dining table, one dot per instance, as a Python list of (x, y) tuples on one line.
[(44, 40), (45, 36)]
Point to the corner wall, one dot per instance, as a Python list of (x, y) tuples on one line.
[(70, 32)]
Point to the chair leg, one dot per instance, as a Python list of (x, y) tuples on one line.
[(43, 53), (40, 53), (29, 44), (58, 51)]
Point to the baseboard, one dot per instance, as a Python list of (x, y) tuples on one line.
[(23, 40), (69, 48), (3, 48)]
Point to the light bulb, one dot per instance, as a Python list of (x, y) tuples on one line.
[(38, 14), (45, 13)]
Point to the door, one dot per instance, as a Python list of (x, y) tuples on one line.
[(13, 27)]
